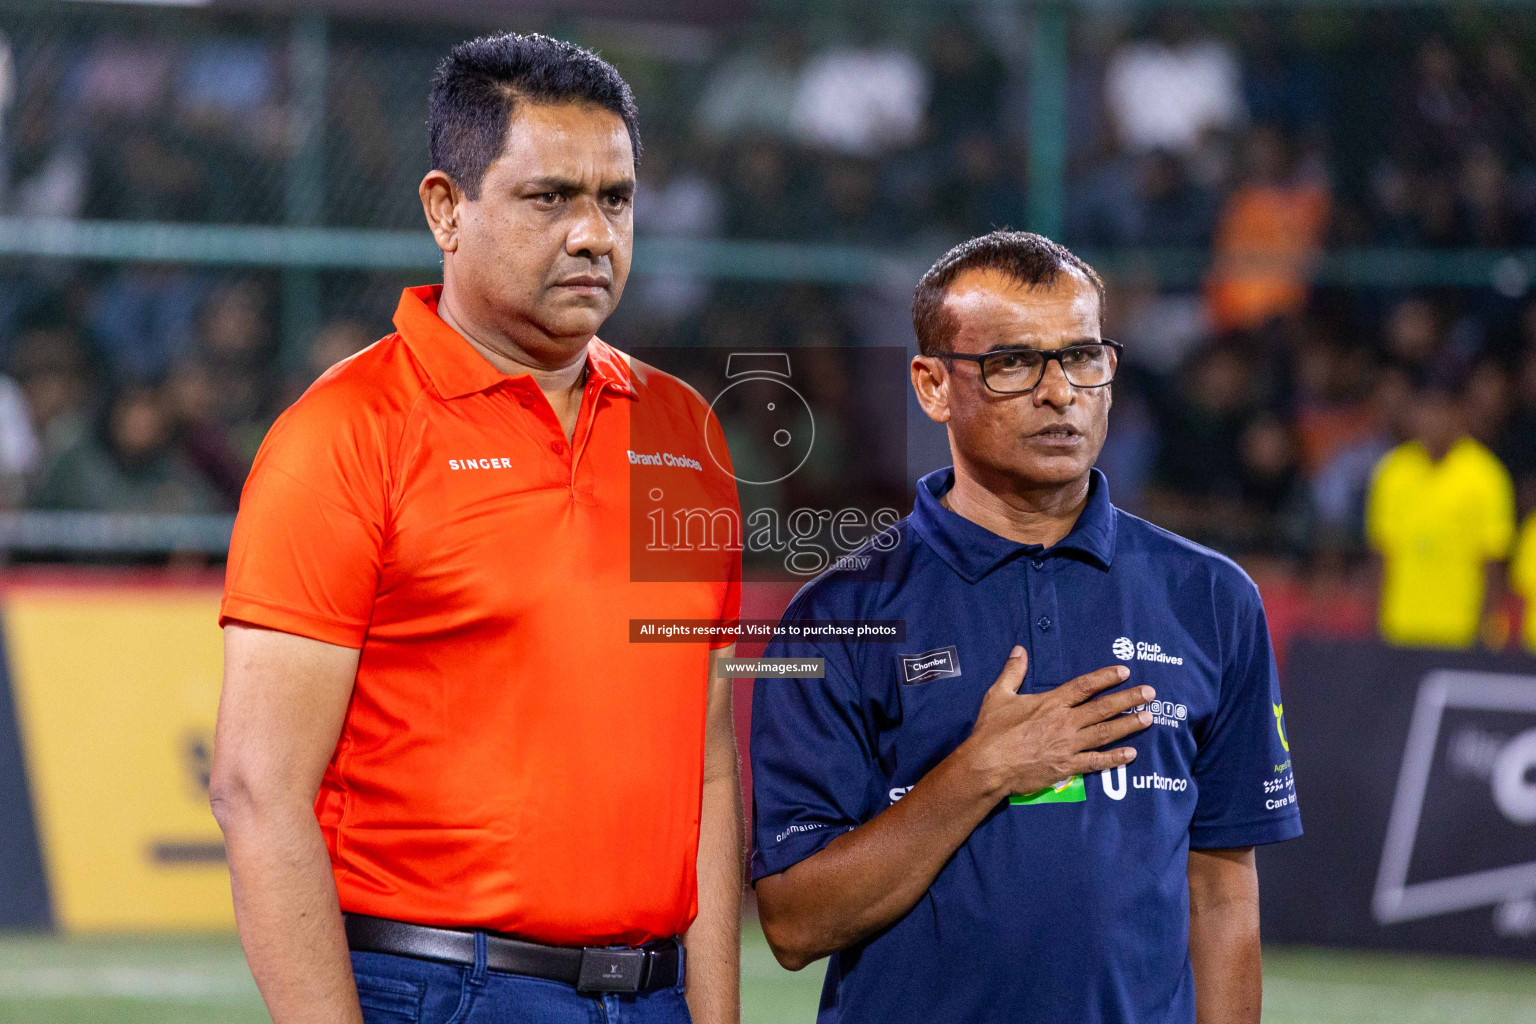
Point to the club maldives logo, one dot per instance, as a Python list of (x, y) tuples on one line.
[(1127, 649)]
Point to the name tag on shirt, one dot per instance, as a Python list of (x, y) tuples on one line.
[(943, 663)]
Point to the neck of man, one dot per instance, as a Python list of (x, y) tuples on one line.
[(1439, 448), (557, 371), (1012, 508)]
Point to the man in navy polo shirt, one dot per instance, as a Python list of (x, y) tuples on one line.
[(1069, 841)]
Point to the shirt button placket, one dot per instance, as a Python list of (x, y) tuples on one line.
[(1049, 665)]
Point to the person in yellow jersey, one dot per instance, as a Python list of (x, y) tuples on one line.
[(1522, 579), (1441, 513)]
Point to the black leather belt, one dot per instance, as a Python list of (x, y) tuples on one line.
[(590, 969)]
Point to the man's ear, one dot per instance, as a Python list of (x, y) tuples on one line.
[(442, 201), (930, 379)]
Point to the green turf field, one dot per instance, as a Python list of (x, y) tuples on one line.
[(203, 980)]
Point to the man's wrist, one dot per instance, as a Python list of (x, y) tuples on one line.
[(975, 776)]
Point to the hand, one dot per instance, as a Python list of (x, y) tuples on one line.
[(1023, 742)]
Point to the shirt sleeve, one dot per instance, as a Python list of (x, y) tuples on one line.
[(725, 496), (1247, 792), (305, 554), (730, 605), (814, 773), (1498, 509), (1522, 569)]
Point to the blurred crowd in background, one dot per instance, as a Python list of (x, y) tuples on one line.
[(1254, 405)]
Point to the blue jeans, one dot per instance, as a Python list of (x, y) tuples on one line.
[(405, 990)]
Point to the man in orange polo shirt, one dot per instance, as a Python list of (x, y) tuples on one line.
[(450, 786)]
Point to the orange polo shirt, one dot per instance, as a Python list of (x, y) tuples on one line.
[(509, 759)]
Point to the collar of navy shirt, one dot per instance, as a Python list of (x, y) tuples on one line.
[(973, 551)]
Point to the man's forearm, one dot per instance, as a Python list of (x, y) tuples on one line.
[(1228, 967), (1224, 948), (867, 878), (713, 943), (287, 913)]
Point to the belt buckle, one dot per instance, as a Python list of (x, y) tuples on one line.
[(610, 970)]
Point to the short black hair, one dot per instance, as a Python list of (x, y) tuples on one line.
[(476, 86), (1024, 256)]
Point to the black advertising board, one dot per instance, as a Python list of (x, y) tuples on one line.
[(1417, 777)]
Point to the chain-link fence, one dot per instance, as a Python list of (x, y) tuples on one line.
[(199, 210)]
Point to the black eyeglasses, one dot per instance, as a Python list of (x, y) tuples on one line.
[(1015, 371)]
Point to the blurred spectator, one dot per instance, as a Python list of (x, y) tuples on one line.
[(1329, 385), (1129, 455), (1282, 84), (129, 464), (1518, 445), (19, 453), (753, 91), (124, 77), (1486, 213), (149, 175), (1151, 201), (1160, 328), (228, 77), (680, 200), (860, 100), (1342, 479), (1441, 513), (1169, 91), (192, 401), (976, 195), (1522, 580), (227, 92), (361, 151), (49, 164), (968, 80), (1437, 117), (1270, 227), (7, 97), (766, 196), (854, 211), (143, 317), (1488, 401), (1413, 334), (335, 341), (1197, 484), (1273, 493), (50, 365), (1172, 209), (1506, 103), (235, 342)]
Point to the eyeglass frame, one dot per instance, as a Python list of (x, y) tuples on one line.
[(1048, 354)]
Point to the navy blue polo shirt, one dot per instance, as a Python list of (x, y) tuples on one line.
[(1069, 909)]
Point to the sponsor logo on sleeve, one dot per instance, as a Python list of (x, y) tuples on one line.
[(796, 829)]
